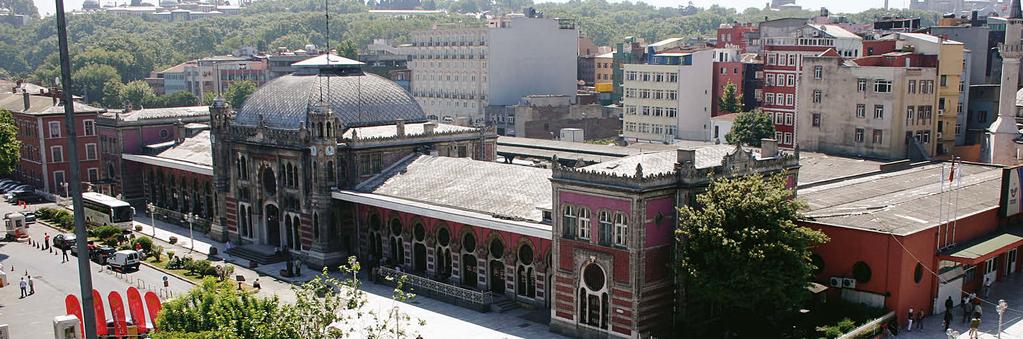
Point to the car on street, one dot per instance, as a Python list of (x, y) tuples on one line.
[(30, 217), (18, 189), (8, 186), (29, 197), (64, 241), (124, 260), (100, 254)]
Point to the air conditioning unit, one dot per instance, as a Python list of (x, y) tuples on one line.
[(836, 281), (941, 112), (848, 283)]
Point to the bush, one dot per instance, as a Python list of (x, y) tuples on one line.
[(170, 254), (111, 241), (105, 231), (201, 268), (145, 242), (45, 213), (157, 251)]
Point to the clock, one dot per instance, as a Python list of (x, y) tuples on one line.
[(312, 150), (329, 151)]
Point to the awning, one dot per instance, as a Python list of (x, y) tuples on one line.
[(988, 247)]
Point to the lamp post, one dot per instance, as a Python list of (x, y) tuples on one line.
[(66, 194), (1002, 306), (152, 216), (191, 240)]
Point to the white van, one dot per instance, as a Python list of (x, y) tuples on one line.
[(124, 259)]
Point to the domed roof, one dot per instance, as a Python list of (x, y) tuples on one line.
[(357, 99)]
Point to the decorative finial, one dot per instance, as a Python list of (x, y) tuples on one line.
[(639, 171)]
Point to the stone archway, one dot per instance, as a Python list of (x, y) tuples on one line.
[(272, 219), (496, 278)]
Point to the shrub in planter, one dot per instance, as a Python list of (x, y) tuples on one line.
[(157, 251), (145, 242), (110, 241), (173, 240), (170, 254), (138, 228), (105, 231)]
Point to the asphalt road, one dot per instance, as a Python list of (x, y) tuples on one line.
[(32, 317)]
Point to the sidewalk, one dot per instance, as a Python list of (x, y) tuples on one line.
[(1010, 289)]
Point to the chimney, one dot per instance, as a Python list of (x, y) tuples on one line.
[(686, 156), (768, 148), (429, 128), (25, 100), (179, 132), (399, 126)]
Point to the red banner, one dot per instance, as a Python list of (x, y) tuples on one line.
[(101, 316), (137, 309), (74, 308), (154, 306), (117, 312)]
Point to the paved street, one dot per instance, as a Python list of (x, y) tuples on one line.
[(32, 317), (1011, 290)]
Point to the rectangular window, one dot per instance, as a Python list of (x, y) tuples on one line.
[(90, 151), (779, 118), (788, 138), (56, 154), (93, 174), (911, 88), (816, 120), (861, 85), (859, 135), (788, 119), (90, 128), (818, 72), (861, 110), (943, 80), (878, 136), (771, 59), (790, 99), (778, 136), (927, 137), (584, 223), (54, 129), (671, 95), (878, 111), (982, 116), (909, 115), (817, 96), (672, 77), (882, 86), (791, 80), (770, 79), (568, 222), (769, 99), (621, 229), (604, 225), (670, 112)]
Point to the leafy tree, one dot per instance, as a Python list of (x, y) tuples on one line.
[(238, 92), (180, 99), (745, 263), (90, 80), (10, 146), (112, 90), (137, 93), (217, 307), (208, 98), (730, 100), (750, 127)]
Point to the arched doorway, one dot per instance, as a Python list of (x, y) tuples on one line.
[(547, 296), (273, 225), (496, 266), (443, 254), (269, 181), (593, 297), (469, 277), (397, 245), (376, 250), (525, 277), (418, 249)]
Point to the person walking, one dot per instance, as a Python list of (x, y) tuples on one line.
[(63, 252), (255, 284), (974, 324), (31, 286), (920, 319), (46, 240), (967, 308), (24, 287), (909, 319), (948, 303), (948, 318), (987, 287)]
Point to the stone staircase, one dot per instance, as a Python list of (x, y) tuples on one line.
[(261, 254), (503, 304)]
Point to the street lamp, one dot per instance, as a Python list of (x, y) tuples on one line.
[(191, 240), (152, 216), (65, 185), (1002, 306)]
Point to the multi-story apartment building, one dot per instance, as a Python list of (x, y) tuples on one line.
[(458, 72), (280, 62), (785, 42), (950, 55), (43, 133), (602, 66), (657, 106), (741, 69), (215, 74), (735, 35), (877, 106)]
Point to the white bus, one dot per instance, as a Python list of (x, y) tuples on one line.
[(103, 209)]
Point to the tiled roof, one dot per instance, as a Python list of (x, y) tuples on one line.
[(500, 190), (391, 130), (195, 150), (40, 105), (664, 161), (160, 113)]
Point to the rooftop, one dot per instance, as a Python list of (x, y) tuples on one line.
[(903, 202), (837, 31), (158, 113), (40, 105), (193, 154), (411, 129), (664, 161), (499, 190)]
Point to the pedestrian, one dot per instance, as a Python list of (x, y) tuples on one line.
[(31, 286), (948, 303), (63, 252), (977, 310), (948, 318), (967, 308), (974, 324), (909, 319), (255, 284), (920, 319), (46, 241), (24, 287), (987, 287)]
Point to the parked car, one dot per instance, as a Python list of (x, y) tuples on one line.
[(8, 186), (100, 254), (5, 181), (64, 241), (19, 188), (30, 217), (29, 197), (124, 260)]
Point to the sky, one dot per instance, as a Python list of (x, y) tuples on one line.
[(47, 7)]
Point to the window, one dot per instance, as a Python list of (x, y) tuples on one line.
[(861, 110), (878, 111), (54, 129), (909, 115), (859, 135), (926, 137), (673, 77), (568, 222), (788, 138), (584, 223), (882, 86), (770, 79), (90, 127), (791, 80), (861, 85), (790, 99), (818, 72), (670, 112), (58, 178), (772, 59), (621, 229), (56, 154), (943, 80), (982, 116), (878, 136), (911, 88), (816, 120), (724, 70), (93, 174), (90, 151), (778, 136), (788, 119), (941, 105), (605, 228), (817, 96), (769, 99), (779, 118)]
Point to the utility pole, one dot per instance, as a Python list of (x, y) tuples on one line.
[(84, 274)]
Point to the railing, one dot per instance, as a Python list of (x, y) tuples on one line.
[(871, 328), (163, 292), (439, 289)]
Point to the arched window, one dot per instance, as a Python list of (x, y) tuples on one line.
[(397, 244), (584, 223), (569, 220), (296, 227), (605, 227), (621, 229), (319, 126), (525, 284), (329, 134), (443, 254), (593, 297), (316, 226), (330, 171)]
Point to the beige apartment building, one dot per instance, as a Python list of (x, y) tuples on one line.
[(878, 107)]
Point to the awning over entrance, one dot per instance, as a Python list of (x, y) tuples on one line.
[(985, 248)]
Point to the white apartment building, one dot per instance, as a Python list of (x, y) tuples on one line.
[(458, 72), (669, 98)]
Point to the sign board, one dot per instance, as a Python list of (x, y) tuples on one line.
[(1011, 191)]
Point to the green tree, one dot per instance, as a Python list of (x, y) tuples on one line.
[(10, 146), (180, 99), (217, 307), (745, 263), (730, 100), (91, 79), (112, 91), (238, 92), (750, 127), (137, 93)]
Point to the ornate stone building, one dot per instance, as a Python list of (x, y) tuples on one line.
[(329, 125)]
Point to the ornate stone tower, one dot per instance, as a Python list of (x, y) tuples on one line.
[(321, 133), (1000, 145), (220, 117)]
